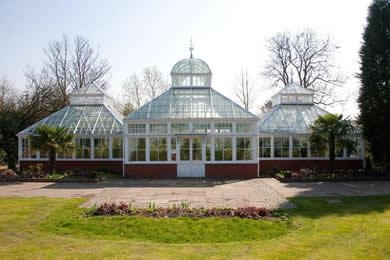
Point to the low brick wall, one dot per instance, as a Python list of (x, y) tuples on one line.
[(240, 171), (151, 170), (267, 166), (95, 165)]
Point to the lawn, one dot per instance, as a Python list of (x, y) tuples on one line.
[(349, 227)]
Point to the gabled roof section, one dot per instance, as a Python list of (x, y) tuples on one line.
[(291, 119), (90, 95), (82, 120), (191, 103)]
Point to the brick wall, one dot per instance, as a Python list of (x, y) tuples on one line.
[(151, 170), (267, 166), (241, 171), (96, 165)]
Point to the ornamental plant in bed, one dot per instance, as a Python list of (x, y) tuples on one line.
[(112, 209)]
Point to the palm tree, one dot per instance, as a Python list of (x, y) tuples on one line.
[(330, 131), (52, 139)]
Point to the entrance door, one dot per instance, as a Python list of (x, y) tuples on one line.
[(191, 162)]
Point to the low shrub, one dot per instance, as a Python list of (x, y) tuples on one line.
[(111, 209), (80, 173), (34, 171), (322, 173), (8, 173)]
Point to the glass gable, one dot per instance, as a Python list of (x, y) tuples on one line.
[(83, 120), (290, 119), (190, 103)]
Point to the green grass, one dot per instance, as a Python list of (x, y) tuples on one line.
[(354, 227)]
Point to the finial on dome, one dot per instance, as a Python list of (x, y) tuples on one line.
[(191, 48)]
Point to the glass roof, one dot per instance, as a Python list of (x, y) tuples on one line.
[(190, 103), (293, 94), (83, 120), (191, 66), (290, 119)]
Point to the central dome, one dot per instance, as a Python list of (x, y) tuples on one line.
[(191, 73)]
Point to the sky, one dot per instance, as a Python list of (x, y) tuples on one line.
[(228, 35)]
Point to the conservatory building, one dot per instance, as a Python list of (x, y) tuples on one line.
[(97, 129), (190, 130)]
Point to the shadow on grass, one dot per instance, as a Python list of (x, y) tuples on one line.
[(317, 207), (141, 183)]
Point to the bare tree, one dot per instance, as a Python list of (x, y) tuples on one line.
[(8, 94), (134, 92), (153, 81), (57, 66), (87, 67), (245, 91), (306, 59), (69, 67)]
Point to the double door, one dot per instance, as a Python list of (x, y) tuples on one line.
[(191, 157)]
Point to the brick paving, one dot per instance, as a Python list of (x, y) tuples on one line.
[(267, 192), (140, 193)]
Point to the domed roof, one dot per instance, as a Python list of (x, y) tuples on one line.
[(191, 66)]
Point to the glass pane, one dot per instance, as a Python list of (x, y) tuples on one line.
[(185, 149), (196, 149)]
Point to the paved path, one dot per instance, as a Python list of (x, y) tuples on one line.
[(196, 192)]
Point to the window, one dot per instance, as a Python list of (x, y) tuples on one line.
[(158, 149), (196, 149), (65, 155), (83, 148), (185, 149), (180, 128), (116, 147), (318, 151), (208, 149), (354, 148), (339, 150), (25, 148), (264, 147), (158, 128), (223, 127), (43, 154), (223, 149), (244, 149), (243, 128), (137, 128), (137, 149), (201, 128), (173, 149), (300, 147), (100, 148), (281, 147)]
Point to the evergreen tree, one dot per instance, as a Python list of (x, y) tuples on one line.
[(374, 99)]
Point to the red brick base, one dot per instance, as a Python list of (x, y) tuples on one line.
[(96, 165), (151, 170), (268, 166), (240, 171)]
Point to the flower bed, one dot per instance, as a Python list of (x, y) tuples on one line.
[(310, 175), (123, 209)]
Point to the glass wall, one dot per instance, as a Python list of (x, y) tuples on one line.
[(223, 148), (300, 147), (281, 146), (83, 148), (101, 148), (158, 149), (264, 147), (116, 147), (137, 149), (243, 149)]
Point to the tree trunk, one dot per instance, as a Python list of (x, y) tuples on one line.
[(52, 161), (332, 155)]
